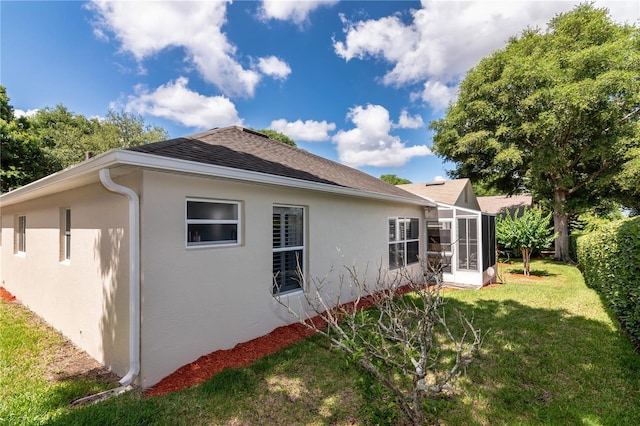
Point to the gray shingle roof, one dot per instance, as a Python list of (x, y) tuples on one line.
[(447, 191), (499, 204), (245, 149)]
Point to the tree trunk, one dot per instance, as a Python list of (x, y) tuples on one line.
[(561, 225), (526, 261)]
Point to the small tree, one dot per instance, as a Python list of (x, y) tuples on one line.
[(529, 232), (396, 330)]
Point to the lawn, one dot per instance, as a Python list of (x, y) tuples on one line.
[(552, 355)]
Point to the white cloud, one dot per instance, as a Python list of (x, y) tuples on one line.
[(309, 130), (407, 122), (370, 144), (446, 38), (274, 67), (439, 178), (176, 102), (295, 11), (28, 113), (437, 94), (146, 28)]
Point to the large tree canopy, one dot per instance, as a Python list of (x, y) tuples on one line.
[(55, 138), (555, 113)]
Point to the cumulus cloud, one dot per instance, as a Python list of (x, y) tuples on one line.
[(176, 102), (437, 94), (444, 39), (145, 28), (370, 143), (407, 122), (274, 67), (309, 130), (439, 178), (295, 11)]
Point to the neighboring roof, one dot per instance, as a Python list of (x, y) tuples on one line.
[(245, 149), (501, 203), (447, 192)]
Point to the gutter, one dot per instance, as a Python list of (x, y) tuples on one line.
[(134, 292), (134, 273)]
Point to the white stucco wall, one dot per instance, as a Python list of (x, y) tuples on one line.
[(85, 298), (196, 301)]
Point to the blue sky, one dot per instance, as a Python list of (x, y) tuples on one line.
[(353, 81)]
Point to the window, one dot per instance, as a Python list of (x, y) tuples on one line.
[(404, 237), (65, 234), (212, 223), (288, 248), (21, 234), (468, 243)]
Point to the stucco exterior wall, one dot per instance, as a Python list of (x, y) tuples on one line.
[(86, 298), (198, 300)]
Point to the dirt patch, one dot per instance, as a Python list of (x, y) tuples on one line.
[(68, 362), (65, 361)]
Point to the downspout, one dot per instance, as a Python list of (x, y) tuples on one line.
[(134, 273)]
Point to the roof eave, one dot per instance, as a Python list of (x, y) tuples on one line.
[(51, 184)]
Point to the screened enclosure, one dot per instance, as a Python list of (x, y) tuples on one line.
[(461, 245)]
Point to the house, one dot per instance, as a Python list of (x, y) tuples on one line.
[(460, 238), (149, 257)]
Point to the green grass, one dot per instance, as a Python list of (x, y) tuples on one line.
[(552, 355), (27, 396)]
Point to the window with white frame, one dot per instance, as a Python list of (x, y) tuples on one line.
[(21, 234), (65, 234), (404, 241), (288, 248), (212, 223)]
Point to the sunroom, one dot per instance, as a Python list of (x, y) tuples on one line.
[(461, 245)]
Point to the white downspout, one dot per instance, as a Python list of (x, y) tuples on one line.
[(134, 274)]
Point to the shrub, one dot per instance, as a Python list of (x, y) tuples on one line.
[(610, 261)]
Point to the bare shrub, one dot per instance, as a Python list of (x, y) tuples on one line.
[(396, 329)]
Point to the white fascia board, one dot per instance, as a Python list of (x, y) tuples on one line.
[(158, 162), (87, 171)]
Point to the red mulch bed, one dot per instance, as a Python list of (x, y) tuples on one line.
[(6, 296), (243, 354)]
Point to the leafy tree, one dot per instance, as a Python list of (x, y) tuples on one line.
[(281, 137), (554, 113), (394, 180), (527, 233), (55, 138), (61, 135), (20, 154), (120, 129), (66, 137)]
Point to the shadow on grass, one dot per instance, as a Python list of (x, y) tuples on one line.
[(546, 366), (534, 272), (537, 366)]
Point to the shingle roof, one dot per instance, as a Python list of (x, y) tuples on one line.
[(447, 191), (501, 203), (245, 149)]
